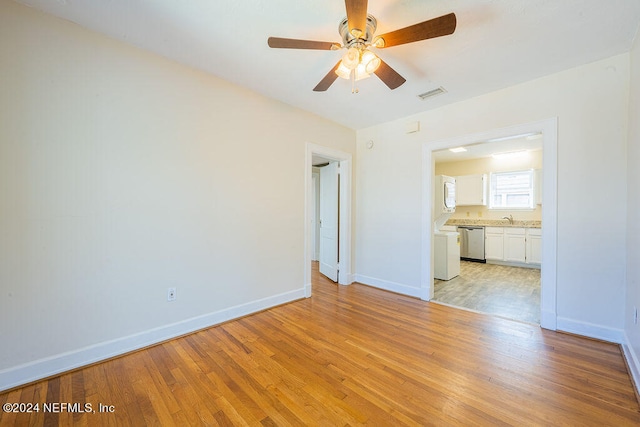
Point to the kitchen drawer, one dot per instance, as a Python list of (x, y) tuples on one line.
[(515, 230), (494, 230), (534, 231)]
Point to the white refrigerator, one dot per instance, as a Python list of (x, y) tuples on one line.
[(446, 257)]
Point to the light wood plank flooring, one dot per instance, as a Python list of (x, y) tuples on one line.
[(511, 292), (351, 355)]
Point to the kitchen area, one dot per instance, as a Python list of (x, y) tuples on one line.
[(494, 265)]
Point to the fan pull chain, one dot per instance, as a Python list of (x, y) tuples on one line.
[(354, 89)]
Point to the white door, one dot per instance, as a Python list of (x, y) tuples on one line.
[(315, 225), (329, 221)]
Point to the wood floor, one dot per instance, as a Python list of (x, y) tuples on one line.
[(511, 292), (351, 355)]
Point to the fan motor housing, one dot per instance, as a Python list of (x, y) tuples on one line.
[(348, 40)]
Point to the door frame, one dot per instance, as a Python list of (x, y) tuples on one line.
[(315, 215), (548, 273), (344, 235)]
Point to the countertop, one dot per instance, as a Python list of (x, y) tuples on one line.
[(495, 223)]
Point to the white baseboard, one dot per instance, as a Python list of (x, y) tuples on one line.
[(57, 364), (514, 264), (633, 362), (590, 330), (388, 285)]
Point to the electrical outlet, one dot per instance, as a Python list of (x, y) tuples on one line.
[(171, 294)]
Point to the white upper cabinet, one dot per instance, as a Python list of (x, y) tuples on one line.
[(471, 190)]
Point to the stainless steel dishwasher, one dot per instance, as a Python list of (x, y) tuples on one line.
[(472, 243)]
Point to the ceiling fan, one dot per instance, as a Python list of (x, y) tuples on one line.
[(357, 31)]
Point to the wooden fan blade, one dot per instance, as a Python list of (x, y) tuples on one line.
[(327, 80), (389, 76), (280, 43), (435, 27), (357, 16)]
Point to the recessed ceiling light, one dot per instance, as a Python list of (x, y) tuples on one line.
[(507, 138), (510, 154), (458, 150)]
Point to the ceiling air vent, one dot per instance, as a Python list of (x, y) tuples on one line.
[(431, 93)]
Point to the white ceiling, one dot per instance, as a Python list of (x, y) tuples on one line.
[(482, 149), (497, 43)]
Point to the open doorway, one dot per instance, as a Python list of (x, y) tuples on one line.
[(495, 228), (548, 233), (341, 161)]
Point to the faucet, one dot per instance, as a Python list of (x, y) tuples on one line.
[(509, 218)]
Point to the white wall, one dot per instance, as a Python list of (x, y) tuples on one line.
[(590, 103), (632, 330), (122, 174)]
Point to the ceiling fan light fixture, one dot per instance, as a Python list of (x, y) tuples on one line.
[(371, 61), (361, 72), (366, 63), (343, 71), (358, 73), (351, 58)]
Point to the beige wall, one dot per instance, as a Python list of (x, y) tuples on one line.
[(486, 165), (122, 174)]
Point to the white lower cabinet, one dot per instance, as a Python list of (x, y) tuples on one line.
[(513, 245), (494, 243), (534, 246)]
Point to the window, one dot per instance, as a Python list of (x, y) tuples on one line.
[(511, 190)]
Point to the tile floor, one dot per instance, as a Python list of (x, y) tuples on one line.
[(511, 292)]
